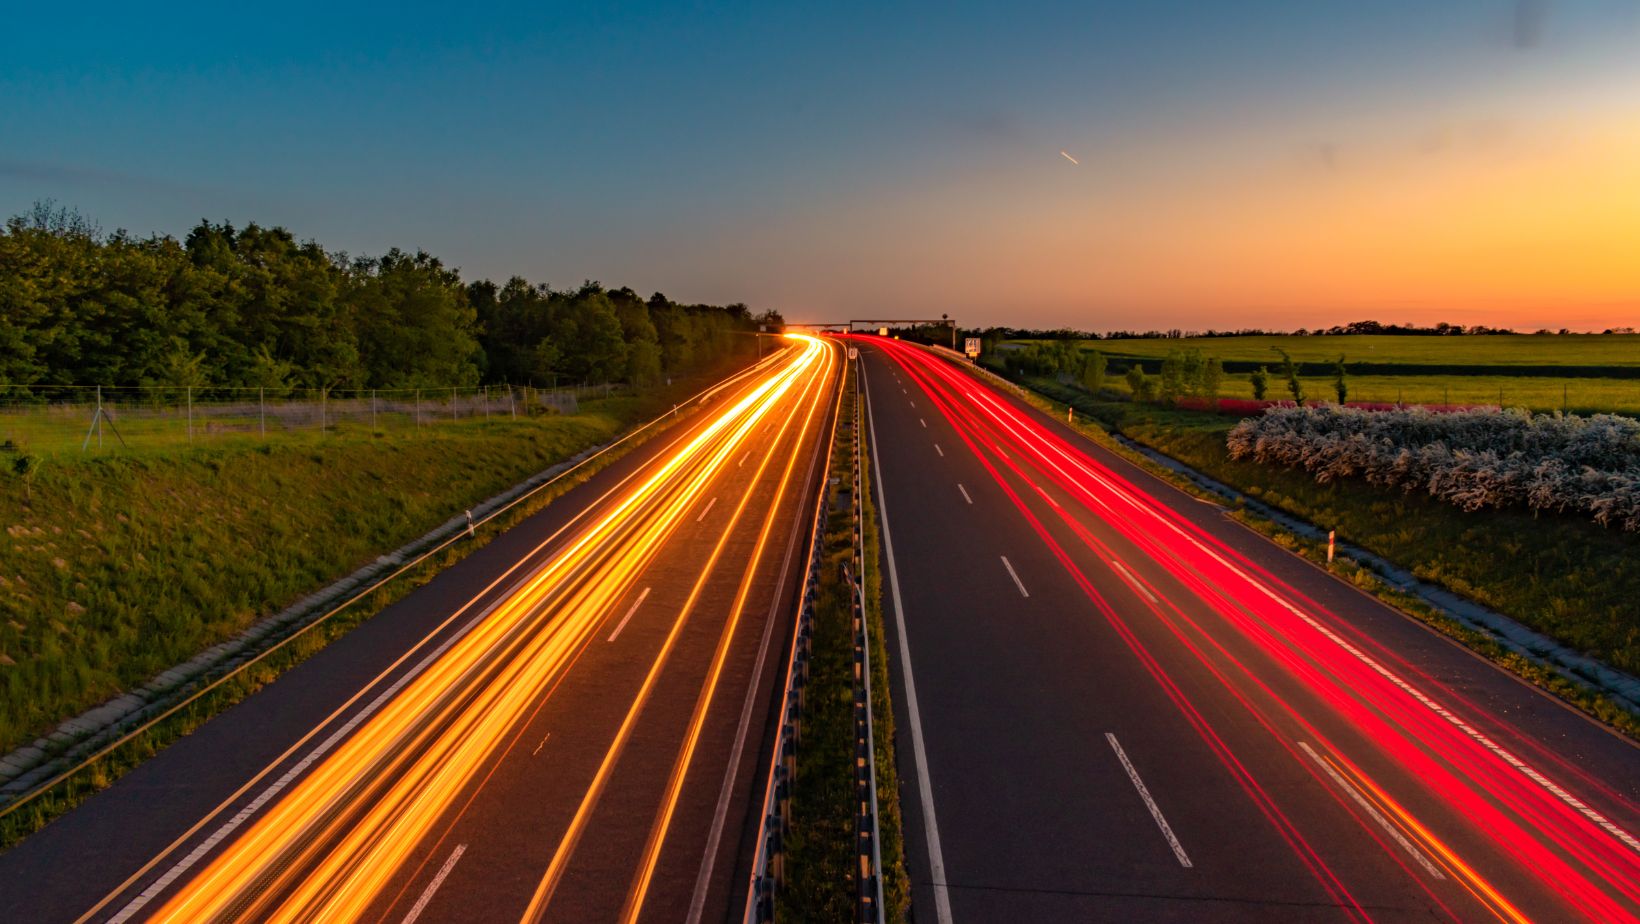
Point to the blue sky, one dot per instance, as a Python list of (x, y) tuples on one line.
[(834, 159)]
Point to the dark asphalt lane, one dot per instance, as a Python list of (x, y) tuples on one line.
[(1021, 682), (155, 812)]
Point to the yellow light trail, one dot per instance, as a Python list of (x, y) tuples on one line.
[(327, 849), (571, 839)]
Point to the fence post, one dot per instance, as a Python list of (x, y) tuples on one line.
[(452, 402), (262, 411), (418, 409), (486, 402), (323, 422), (372, 410), (511, 408), (190, 413)]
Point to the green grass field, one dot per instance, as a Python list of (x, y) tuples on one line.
[(1482, 350), (1564, 576), (1537, 393), (116, 567)]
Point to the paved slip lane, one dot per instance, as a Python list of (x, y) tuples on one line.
[(515, 739), (1254, 696)]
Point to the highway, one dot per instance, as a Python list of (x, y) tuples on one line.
[(567, 725), (1116, 703)]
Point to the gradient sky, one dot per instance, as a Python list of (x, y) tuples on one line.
[(1241, 164)]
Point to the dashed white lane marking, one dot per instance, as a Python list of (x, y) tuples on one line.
[(541, 745), (1368, 807), (743, 460), (964, 493), (939, 450), (628, 617), (1017, 582), (1155, 810), (427, 893), (1133, 582), (228, 827), (923, 422), (709, 505)]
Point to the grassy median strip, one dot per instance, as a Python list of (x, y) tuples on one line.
[(1560, 575), (819, 884), (190, 550)]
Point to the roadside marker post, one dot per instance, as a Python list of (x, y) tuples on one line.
[(470, 525), (1332, 544)]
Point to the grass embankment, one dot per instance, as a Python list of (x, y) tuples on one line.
[(1564, 577), (820, 859), (117, 568), (1581, 373)]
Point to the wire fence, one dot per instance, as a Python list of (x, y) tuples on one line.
[(89, 418)]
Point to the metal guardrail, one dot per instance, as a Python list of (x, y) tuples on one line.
[(869, 861), (214, 678), (768, 866)]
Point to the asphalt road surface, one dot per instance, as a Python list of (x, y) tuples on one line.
[(569, 724), (1115, 703)]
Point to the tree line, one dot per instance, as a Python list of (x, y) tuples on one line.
[(255, 307)]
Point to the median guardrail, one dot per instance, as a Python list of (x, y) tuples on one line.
[(869, 862), (768, 865)]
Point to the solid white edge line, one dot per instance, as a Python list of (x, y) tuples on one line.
[(936, 857), (1133, 581), (709, 505), (1013, 574), (964, 491), (628, 617), (1155, 810), (1368, 807), (427, 893)]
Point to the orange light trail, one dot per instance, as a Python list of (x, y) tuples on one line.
[(328, 848)]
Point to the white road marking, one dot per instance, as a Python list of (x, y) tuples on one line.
[(541, 745), (923, 422), (964, 493), (1475, 734), (936, 857), (1368, 807), (743, 460), (709, 505), (1155, 810), (427, 893), (1017, 582), (1133, 582), (228, 827), (939, 450), (628, 617), (913, 405)]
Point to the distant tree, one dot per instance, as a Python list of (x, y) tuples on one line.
[(1211, 378), (1289, 371), (1093, 371), (1341, 386), (1260, 379), (1142, 385)]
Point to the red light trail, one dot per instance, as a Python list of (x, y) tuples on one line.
[(1510, 797)]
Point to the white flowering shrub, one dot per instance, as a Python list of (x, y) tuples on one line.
[(1474, 458)]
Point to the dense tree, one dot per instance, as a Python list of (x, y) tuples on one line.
[(255, 307)]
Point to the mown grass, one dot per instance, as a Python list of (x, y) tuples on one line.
[(1568, 578), (1535, 393), (115, 568), (1480, 350), (819, 884), (595, 424)]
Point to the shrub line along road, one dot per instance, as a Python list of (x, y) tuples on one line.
[(1124, 706), (545, 731)]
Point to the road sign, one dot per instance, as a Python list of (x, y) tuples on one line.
[(970, 346), (882, 332)]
